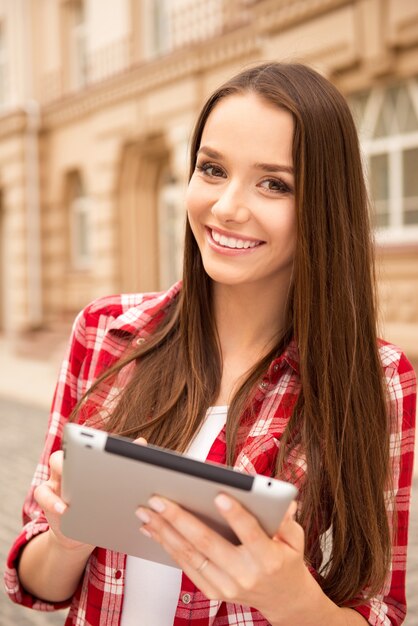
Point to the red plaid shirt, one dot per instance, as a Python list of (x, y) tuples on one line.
[(101, 333)]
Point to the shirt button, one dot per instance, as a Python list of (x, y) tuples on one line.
[(118, 574), (140, 341), (264, 384), (187, 598), (276, 367)]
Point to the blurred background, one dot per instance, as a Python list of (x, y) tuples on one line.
[(97, 102)]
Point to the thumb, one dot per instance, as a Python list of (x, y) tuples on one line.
[(290, 532), (291, 511), (55, 465), (141, 441)]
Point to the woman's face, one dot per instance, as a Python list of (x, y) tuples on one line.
[(240, 199)]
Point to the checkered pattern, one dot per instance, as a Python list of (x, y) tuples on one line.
[(101, 333)]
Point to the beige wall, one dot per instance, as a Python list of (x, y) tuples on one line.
[(131, 123), (398, 281)]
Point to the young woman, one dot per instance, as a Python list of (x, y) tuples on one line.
[(266, 358)]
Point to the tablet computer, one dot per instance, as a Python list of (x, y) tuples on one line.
[(106, 477)]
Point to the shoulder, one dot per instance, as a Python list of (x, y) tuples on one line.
[(126, 313), (394, 361), (105, 328), (401, 385), (113, 306)]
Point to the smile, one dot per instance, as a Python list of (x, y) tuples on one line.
[(233, 242)]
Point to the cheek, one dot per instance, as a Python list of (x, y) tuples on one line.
[(198, 199), (189, 191), (192, 209), (291, 225), (283, 235), (192, 199), (283, 226)]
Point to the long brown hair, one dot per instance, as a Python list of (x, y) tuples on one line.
[(340, 419)]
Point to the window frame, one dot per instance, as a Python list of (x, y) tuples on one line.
[(78, 55), (79, 211), (393, 145), (170, 208)]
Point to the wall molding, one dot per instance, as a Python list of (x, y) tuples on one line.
[(12, 123), (151, 75), (279, 16)]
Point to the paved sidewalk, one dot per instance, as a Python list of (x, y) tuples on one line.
[(22, 430), (26, 378)]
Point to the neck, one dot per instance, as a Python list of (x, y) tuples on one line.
[(249, 319)]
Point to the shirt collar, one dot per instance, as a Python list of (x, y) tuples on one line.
[(291, 355), (140, 319)]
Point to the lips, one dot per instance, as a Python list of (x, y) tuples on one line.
[(231, 242)]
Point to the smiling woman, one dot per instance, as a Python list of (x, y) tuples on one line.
[(265, 357)]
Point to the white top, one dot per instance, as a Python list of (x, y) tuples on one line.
[(152, 589)]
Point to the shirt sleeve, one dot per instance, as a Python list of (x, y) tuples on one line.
[(67, 392), (389, 607)]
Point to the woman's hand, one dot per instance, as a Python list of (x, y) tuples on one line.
[(266, 573), (48, 496)]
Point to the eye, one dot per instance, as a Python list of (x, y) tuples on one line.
[(212, 170), (275, 185)]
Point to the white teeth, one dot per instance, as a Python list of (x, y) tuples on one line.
[(233, 242)]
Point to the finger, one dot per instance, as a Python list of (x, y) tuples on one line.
[(291, 533), (231, 567), (211, 580), (204, 540), (291, 511), (214, 583), (48, 500), (141, 441), (178, 547), (245, 526), (55, 463), (232, 570)]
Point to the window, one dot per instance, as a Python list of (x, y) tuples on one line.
[(78, 46), (171, 229), (388, 127), (410, 170), (379, 187), (160, 27), (152, 26), (80, 224)]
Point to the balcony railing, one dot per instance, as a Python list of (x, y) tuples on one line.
[(165, 28), (175, 26)]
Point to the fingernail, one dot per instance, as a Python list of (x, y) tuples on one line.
[(223, 502), (143, 516), (156, 504), (141, 441), (59, 507), (145, 532)]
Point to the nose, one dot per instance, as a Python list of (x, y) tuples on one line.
[(231, 205)]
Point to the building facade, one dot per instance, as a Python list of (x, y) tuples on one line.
[(97, 102)]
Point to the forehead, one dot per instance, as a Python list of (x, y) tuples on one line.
[(249, 123)]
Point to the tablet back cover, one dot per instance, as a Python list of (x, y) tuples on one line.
[(104, 489)]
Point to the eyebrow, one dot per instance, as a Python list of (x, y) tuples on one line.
[(266, 167)]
